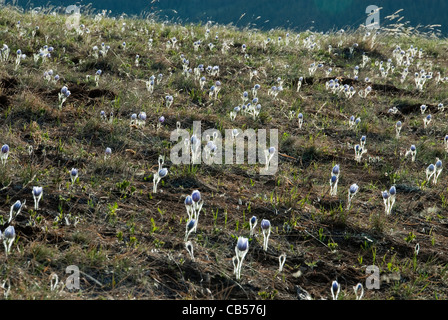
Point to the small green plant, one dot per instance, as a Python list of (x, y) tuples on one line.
[(321, 235), (444, 201), (112, 212), (154, 227), (132, 242), (332, 245), (311, 264), (268, 295), (125, 188), (373, 255), (410, 237), (215, 216), (158, 243)]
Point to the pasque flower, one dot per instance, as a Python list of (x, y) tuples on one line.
[(266, 229), (352, 191), (8, 238), (15, 210), (37, 195), (4, 153), (241, 249)]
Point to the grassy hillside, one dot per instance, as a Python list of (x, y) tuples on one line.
[(129, 242)]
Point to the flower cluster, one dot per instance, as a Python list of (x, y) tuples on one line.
[(335, 289), (211, 148), (389, 199), (421, 78), (44, 54), (169, 101), (161, 173), (359, 151), (363, 93), (434, 171), (252, 109), (193, 204), (346, 90), (63, 95), (234, 113), (150, 84), (353, 123), (214, 90), (274, 91), (334, 180), (103, 51)]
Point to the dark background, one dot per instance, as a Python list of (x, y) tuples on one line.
[(298, 15)]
